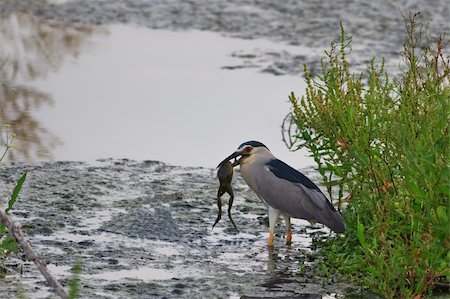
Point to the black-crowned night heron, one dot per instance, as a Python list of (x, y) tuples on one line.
[(285, 190)]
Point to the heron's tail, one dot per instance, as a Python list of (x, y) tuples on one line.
[(335, 222)]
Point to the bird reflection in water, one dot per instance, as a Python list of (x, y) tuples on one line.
[(31, 48), (283, 271)]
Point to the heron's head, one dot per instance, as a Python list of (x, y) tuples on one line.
[(246, 152)]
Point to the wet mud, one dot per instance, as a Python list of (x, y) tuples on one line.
[(377, 27), (143, 230)]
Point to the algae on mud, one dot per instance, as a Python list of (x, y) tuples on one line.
[(143, 229), (313, 23)]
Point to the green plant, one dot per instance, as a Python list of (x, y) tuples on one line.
[(74, 282), (7, 244), (383, 144), (7, 140), (16, 237)]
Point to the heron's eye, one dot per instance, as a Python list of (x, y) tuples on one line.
[(248, 149)]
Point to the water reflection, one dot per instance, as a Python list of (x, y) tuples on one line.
[(283, 266), (31, 48)]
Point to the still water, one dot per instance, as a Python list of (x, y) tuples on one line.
[(183, 94), (131, 92)]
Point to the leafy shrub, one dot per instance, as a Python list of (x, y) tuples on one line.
[(384, 143)]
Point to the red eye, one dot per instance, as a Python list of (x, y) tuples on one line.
[(248, 149)]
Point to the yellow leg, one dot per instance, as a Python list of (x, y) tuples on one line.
[(273, 216), (271, 237), (289, 237), (287, 220)]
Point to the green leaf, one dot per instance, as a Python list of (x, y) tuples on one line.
[(16, 192), (372, 270), (3, 229), (361, 157), (444, 188), (9, 244), (415, 190), (428, 159), (442, 214), (360, 233), (350, 114)]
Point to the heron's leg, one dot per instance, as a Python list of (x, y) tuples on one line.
[(273, 216), (287, 220)]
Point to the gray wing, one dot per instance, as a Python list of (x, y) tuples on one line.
[(289, 191)]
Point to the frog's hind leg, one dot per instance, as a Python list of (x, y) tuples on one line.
[(230, 205), (219, 205)]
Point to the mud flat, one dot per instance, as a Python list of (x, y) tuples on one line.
[(377, 27), (143, 230)]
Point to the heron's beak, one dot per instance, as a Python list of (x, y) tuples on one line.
[(232, 156)]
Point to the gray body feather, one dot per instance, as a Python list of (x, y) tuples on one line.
[(290, 192)]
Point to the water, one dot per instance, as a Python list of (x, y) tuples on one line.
[(162, 95), (186, 97), (139, 93)]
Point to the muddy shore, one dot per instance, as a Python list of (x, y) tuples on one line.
[(143, 230)]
